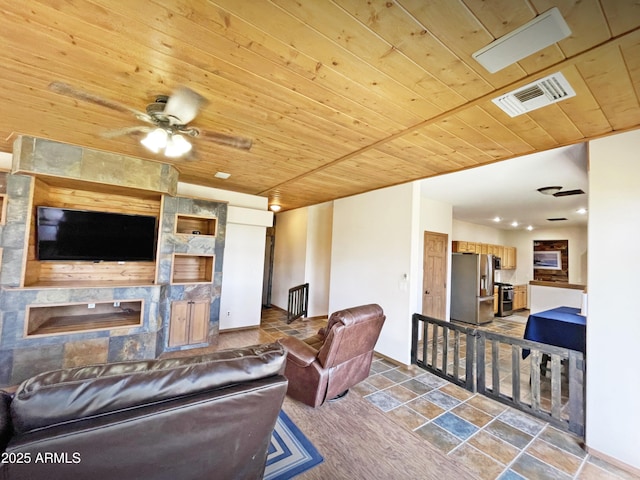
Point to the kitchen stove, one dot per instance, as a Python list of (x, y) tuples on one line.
[(505, 299)]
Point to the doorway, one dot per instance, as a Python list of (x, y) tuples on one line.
[(434, 275)]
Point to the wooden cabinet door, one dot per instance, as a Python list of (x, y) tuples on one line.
[(199, 322), (509, 260), (459, 246), (189, 322), (524, 296), (519, 297), (179, 323)]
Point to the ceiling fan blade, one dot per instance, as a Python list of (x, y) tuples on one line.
[(66, 89), (183, 105), (125, 131), (241, 143)]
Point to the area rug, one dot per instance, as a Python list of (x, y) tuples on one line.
[(290, 452)]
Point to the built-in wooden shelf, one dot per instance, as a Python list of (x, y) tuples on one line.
[(3, 208), (187, 268), (196, 225), (64, 193), (41, 285), (83, 317)]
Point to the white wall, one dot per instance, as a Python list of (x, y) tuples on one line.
[(318, 258), (242, 272), (543, 298), (523, 241), (289, 257), (374, 235), (613, 323), (241, 296), (303, 255), (477, 233)]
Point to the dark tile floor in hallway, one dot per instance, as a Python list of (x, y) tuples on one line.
[(493, 440)]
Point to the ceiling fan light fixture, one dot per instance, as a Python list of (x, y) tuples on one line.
[(550, 190), (156, 140), (177, 146)]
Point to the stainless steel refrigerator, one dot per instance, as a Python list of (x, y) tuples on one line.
[(472, 276)]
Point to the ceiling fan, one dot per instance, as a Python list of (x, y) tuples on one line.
[(167, 119)]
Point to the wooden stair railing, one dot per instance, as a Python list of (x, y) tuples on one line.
[(493, 365), (298, 302)]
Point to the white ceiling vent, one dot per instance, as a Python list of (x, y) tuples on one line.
[(541, 93)]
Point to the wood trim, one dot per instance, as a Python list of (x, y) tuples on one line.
[(573, 286), (391, 360), (3, 208), (613, 461), (239, 329)]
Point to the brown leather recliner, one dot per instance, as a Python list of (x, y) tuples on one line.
[(326, 365)]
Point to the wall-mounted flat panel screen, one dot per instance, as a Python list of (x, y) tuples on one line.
[(66, 235)]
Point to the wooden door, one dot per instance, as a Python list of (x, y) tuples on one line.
[(189, 322), (179, 323), (199, 322), (434, 275)]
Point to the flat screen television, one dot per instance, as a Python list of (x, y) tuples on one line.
[(65, 234)]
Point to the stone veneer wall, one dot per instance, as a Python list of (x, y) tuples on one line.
[(171, 243), (21, 357)]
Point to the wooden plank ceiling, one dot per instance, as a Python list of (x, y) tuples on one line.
[(340, 97)]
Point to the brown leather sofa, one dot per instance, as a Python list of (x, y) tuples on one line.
[(200, 417), (338, 357)]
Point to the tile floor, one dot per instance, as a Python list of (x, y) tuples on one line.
[(495, 441)]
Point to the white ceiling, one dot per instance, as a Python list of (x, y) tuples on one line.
[(508, 190)]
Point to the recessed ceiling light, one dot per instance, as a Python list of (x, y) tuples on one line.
[(497, 219), (514, 224), (222, 175), (581, 211), (275, 208), (529, 228)]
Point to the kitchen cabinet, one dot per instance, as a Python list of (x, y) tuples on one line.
[(519, 297), (189, 322), (463, 247), (507, 254), (509, 258)]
